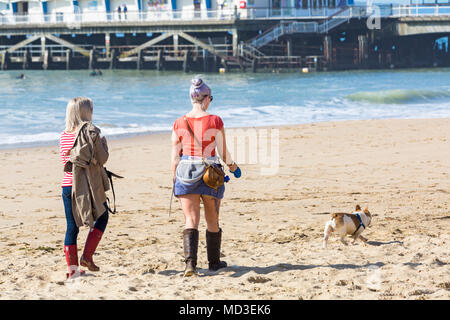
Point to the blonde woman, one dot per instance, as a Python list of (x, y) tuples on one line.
[(187, 171), (79, 115)]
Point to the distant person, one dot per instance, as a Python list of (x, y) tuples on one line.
[(125, 10), (119, 12), (189, 155), (84, 184), (96, 72), (22, 76)]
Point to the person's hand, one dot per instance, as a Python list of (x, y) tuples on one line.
[(233, 167), (237, 173)]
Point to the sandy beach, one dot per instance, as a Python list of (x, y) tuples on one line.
[(273, 224)]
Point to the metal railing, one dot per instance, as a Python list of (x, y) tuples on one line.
[(418, 10), (285, 27), (114, 17), (336, 20), (78, 19)]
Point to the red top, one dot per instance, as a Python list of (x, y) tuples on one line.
[(205, 128), (66, 143)]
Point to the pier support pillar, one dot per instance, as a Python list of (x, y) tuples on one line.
[(175, 44), (205, 60), (42, 45), (289, 47), (139, 60), (328, 51), (91, 59), (363, 50), (68, 57), (26, 59), (107, 44), (159, 61), (186, 61), (235, 42), (5, 60), (112, 63), (45, 60), (254, 64)]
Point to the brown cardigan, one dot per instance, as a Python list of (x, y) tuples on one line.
[(90, 181)]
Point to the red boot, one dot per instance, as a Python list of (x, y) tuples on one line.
[(92, 241), (71, 253)]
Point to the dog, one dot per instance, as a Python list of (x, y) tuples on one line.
[(348, 224)]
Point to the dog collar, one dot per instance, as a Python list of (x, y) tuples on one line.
[(361, 224)]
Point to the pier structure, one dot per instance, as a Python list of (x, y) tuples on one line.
[(221, 35)]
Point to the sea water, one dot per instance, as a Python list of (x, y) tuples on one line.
[(32, 110)]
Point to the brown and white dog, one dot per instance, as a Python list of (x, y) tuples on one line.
[(348, 223)]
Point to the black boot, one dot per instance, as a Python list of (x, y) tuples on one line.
[(213, 242), (190, 241)]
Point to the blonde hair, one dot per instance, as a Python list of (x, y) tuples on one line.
[(78, 109)]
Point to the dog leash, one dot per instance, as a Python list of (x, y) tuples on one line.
[(110, 175), (171, 197)]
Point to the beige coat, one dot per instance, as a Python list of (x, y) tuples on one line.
[(90, 181)]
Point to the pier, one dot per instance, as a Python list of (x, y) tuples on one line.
[(316, 35)]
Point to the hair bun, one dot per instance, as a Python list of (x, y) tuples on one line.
[(197, 82)]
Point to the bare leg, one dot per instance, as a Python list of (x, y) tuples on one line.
[(190, 203), (211, 205)]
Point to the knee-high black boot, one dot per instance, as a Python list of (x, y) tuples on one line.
[(190, 241), (213, 243)]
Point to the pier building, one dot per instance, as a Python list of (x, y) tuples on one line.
[(212, 35)]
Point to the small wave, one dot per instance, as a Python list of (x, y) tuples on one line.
[(396, 96), (50, 137), (29, 138), (133, 129)]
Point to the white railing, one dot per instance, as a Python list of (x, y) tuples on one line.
[(417, 10), (286, 27), (75, 19), (114, 17)]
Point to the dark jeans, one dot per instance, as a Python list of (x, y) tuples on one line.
[(72, 229)]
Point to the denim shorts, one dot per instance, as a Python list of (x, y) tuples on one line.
[(197, 187)]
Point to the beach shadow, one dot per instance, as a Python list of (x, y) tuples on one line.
[(412, 264), (170, 272), (354, 266), (442, 218), (239, 271), (322, 213), (282, 267), (381, 243)]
